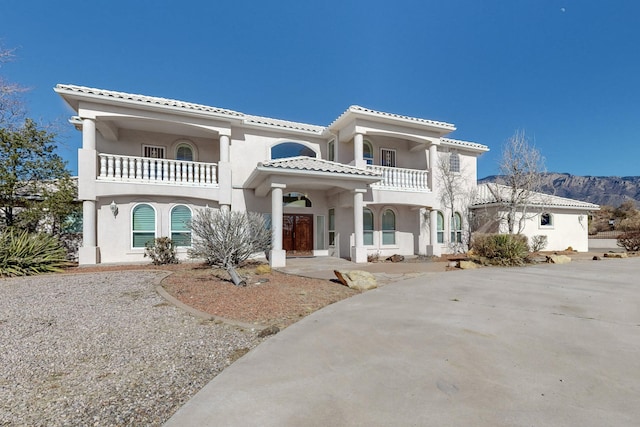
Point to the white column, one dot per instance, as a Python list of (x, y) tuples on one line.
[(433, 156), (277, 256), (88, 253), (434, 248), (358, 251), (88, 134), (358, 143), (224, 172), (224, 148)]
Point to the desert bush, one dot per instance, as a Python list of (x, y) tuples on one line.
[(24, 254), (501, 249), (161, 251), (630, 241), (538, 243), (227, 238)]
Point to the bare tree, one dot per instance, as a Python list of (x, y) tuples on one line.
[(12, 107), (521, 167), (225, 238), (455, 196)]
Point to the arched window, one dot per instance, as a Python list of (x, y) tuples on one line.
[(388, 227), (298, 200), (184, 152), (367, 152), (367, 226), (454, 162), (291, 149), (440, 227), (456, 228), (143, 225), (180, 230), (546, 220)]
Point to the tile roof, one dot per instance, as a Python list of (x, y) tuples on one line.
[(458, 143), (357, 108), (498, 193), (304, 163), (284, 124), (144, 99)]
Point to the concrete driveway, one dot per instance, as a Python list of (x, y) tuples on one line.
[(549, 345)]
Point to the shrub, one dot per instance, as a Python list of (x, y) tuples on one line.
[(538, 243), (501, 249), (24, 254), (161, 251), (630, 241)]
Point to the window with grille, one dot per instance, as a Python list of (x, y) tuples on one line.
[(456, 228), (388, 157), (153, 151), (440, 228), (454, 162)]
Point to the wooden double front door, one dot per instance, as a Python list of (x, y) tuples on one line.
[(297, 234)]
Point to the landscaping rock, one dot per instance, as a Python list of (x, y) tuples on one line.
[(357, 279), (596, 258), (558, 259), (271, 330), (467, 265), (396, 258), (616, 255)]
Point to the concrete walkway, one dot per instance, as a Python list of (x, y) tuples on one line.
[(548, 345)]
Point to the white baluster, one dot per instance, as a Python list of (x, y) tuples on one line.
[(207, 170), (190, 171), (172, 171), (103, 165), (110, 167), (125, 168), (117, 169), (165, 170)]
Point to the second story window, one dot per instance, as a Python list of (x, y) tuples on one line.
[(153, 151), (454, 162), (367, 152), (291, 149), (388, 157), (184, 152)]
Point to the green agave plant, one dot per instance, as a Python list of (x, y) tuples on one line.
[(25, 254)]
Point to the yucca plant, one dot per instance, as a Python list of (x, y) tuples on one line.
[(25, 254)]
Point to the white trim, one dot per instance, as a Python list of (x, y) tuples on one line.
[(171, 208), (177, 143), (155, 224)]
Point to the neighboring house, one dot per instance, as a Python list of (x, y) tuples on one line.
[(367, 184), (564, 221)]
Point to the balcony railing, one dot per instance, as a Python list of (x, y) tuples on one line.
[(401, 179), (114, 167)]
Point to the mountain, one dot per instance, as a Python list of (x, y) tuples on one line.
[(601, 190)]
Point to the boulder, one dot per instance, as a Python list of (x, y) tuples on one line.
[(558, 259), (269, 330), (467, 265), (356, 279), (616, 255), (596, 258), (396, 258)]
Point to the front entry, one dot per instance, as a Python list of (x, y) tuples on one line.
[(297, 234)]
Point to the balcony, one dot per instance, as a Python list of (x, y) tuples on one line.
[(145, 170), (399, 179)]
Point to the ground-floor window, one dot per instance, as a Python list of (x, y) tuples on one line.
[(388, 227), (332, 227), (546, 220), (180, 230), (319, 232), (367, 225), (456, 228), (143, 225), (440, 228)]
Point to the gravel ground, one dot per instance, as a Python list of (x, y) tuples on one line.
[(103, 349)]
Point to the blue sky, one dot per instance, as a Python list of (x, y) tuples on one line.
[(567, 72)]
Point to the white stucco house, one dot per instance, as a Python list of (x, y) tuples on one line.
[(565, 222), (365, 184)]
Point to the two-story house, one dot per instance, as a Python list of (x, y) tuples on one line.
[(365, 184)]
